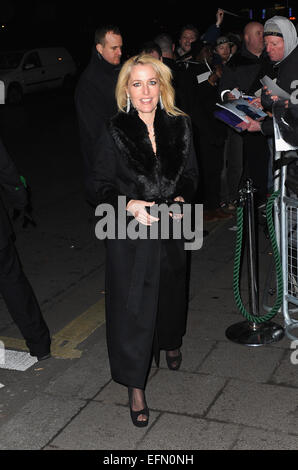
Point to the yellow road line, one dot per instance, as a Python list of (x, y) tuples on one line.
[(14, 343), (65, 342)]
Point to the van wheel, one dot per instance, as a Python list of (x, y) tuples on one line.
[(14, 94)]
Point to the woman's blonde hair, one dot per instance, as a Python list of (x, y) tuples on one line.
[(164, 76)]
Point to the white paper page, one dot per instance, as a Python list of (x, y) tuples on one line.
[(280, 144), (275, 89), (203, 77)]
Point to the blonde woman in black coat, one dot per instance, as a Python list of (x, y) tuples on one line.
[(147, 157)]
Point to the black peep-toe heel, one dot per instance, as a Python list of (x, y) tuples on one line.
[(135, 414), (174, 362)]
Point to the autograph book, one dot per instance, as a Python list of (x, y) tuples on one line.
[(235, 112)]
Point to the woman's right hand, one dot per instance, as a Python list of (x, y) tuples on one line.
[(137, 209)]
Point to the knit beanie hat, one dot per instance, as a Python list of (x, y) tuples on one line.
[(272, 29)]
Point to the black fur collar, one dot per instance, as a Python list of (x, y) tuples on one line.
[(158, 175)]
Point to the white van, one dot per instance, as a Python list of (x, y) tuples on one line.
[(34, 70)]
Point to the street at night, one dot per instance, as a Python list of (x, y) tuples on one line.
[(227, 395)]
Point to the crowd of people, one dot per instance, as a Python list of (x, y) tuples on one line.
[(203, 67), (149, 133)]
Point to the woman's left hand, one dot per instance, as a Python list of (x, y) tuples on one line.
[(177, 216), (179, 199)]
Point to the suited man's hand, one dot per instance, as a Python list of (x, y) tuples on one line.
[(250, 126), (24, 217)]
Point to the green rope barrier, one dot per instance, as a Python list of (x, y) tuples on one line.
[(278, 266)]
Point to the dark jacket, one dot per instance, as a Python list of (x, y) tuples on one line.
[(12, 191), (244, 71), (95, 104), (171, 63), (199, 101), (127, 166), (287, 72)]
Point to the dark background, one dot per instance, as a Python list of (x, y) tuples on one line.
[(37, 23)]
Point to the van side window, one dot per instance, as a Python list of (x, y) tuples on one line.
[(32, 61)]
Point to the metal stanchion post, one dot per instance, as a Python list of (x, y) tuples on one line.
[(247, 332), (251, 250), (277, 204)]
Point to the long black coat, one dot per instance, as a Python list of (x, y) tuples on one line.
[(146, 276), (95, 105), (13, 192)]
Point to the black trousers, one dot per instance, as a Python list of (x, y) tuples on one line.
[(21, 302)]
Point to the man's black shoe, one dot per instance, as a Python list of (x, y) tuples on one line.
[(44, 357)]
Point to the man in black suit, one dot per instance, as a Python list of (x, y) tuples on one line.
[(14, 286), (95, 97)]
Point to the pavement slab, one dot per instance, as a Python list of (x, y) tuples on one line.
[(262, 406), (186, 393), (251, 438), (100, 427), (198, 434), (242, 362), (38, 422)]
